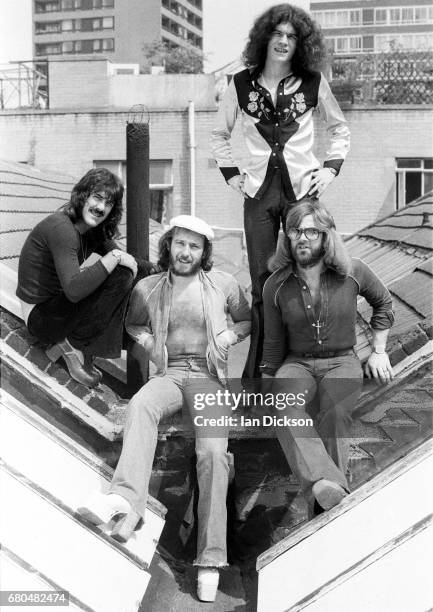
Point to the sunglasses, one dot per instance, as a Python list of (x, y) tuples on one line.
[(310, 233)]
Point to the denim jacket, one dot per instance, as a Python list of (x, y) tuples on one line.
[(149, 313)]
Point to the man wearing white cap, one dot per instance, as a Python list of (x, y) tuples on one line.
[(180, 318)]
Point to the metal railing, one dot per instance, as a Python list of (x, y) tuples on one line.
[(24, 85), (400, 77)]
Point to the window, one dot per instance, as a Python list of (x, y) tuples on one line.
[(68, 25), (87, 46), (48, 49), (391, 42), (46, 7), (414, 178), (338, 19), (87, 25), (342, 45), (355, 44), (108, 44), (407, 15), (160, 183), (394, 15), (108, 23), (76, 5), (421, 14), (47, 27), (355, 18), (68, 46), (380, 16), (403, 15)]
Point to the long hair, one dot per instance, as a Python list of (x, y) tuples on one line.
[(98, 180), (335, 252), (310, 48), (165, 247)]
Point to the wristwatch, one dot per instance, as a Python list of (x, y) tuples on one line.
[(116, 253), (332, 170), (380, 349)]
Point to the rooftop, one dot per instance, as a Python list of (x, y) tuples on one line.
[(399, 249)]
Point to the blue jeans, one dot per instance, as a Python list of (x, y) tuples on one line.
[(262, 221), (163, 396), (332, 386)]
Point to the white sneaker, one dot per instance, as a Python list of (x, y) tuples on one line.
[(207, 583), (100, 508), (328, 493)]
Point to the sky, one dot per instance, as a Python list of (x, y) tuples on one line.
[(225, 28), (15, 30), (226, 24)]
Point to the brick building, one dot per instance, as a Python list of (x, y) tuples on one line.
[(390, 162)]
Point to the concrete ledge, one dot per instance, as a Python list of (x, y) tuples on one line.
[(109, 428)]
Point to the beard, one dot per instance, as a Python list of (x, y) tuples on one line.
[(177, 269), (307, 258)]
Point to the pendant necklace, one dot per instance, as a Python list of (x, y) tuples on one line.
[(318, 324)]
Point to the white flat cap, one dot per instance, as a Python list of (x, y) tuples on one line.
[(194, 224)]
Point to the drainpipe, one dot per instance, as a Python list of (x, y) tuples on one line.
[(192, 147)]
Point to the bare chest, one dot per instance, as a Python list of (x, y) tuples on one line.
[(186, 306)]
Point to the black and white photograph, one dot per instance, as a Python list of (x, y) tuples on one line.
[(216, 305)]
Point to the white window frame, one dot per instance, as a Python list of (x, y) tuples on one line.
[(400, 186), (400, 9), (332, 41), (118, 167), (329, 19)]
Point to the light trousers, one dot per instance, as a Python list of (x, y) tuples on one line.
[(163, 396)]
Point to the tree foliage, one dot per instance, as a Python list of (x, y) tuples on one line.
[(174, 58)]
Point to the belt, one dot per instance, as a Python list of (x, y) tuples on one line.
[(323, 354), (192, 363)]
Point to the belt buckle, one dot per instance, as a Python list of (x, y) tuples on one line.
[(192, 365)]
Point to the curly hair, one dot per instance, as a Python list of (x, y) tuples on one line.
[(98, 180), (165, 248), (335, 255), (310, 48)]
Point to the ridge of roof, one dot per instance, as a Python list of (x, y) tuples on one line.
[(427, 198)]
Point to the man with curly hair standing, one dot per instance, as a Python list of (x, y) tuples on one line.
[(276, 96)]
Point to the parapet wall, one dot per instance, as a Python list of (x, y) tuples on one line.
[(105, 90)]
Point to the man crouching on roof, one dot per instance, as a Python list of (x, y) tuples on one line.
[(310, 310), (180, 317)]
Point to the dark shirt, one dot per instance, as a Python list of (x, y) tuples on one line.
[(50, 262), (293, 325)]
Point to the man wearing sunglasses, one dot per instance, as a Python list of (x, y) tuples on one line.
[(310, 311)]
